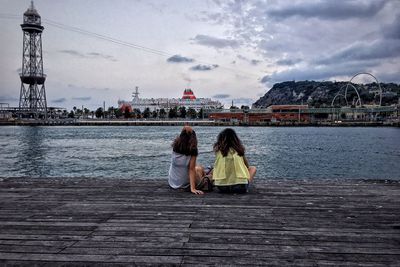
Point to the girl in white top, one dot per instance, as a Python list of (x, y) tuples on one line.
[(183, 172)]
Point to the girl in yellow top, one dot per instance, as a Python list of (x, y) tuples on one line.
[(232, 172)]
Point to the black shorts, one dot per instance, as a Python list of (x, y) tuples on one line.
[(233, 189)]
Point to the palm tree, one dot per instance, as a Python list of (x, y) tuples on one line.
[(146, 113), (137, 113), (118, 113), (86, 112), (173, 112), (74, 108), (99, 113), (163, 113), (201, 113), (127, 112), (192, 113), (182, 112)]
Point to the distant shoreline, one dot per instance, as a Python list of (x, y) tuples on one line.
[(193, 123)]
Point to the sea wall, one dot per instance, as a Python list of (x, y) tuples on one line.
[(191, 122)]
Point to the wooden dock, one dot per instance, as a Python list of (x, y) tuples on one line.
[(118, 222)]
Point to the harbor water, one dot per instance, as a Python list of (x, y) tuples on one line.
[(144, 152)]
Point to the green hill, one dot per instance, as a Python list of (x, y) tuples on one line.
[(319, 94)]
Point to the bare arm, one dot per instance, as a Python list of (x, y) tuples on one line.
[(192, 176), (245, 161)]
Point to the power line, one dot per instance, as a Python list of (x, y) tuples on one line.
[(106, 38), (117, 41), (9, 16)]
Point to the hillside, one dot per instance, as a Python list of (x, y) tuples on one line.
[(319, 94)]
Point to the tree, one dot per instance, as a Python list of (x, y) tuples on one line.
[(79, 113), (71, 114), (86, 112), (137, 113), (99, 113), (182, 112), (163, 113), (154, 114), (244, 107), (118, 113), (192, 113), (146, 113), (173, 112), (201, 113), (127, 112)]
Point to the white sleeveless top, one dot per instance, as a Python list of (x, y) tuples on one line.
[(178, 176)]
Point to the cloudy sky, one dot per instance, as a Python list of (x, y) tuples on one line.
[(99, 50)]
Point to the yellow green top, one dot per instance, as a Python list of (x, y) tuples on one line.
[(230, 170)]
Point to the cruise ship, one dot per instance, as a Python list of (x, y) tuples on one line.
[(188, 100)]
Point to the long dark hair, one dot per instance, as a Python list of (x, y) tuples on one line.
[(226, 140), (186, 142)]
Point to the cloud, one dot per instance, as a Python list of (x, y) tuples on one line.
[(329, 10), (186, 77), (204, 67), (243, 101), (5, 98), (314, 72), (179, 59), (389, 76), (265, 79), (103, 56), (251, 61), (72, 53), (392, 30), (215, 42), (59, 100), (242, 57), (88, 55), (83, 98), (287, 62), (315, 39), (363, 51), (81, 88), (221, 96)]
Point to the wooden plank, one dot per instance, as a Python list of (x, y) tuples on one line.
[(85, 221), (154, 259)]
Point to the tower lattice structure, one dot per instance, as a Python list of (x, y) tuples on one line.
[(32, 101)]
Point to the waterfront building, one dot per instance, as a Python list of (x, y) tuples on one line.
[(288, 113), (303, 114), (188, 100), (274, 113)]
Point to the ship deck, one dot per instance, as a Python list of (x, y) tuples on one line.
[(82, 221)]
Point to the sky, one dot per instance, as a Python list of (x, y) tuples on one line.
[(99, 50)]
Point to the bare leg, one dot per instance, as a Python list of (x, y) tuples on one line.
[(199, 173), (252, 171)]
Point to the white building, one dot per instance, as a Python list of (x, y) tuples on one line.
[(188, 100)]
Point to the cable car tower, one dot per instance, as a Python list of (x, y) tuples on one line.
[(32, 100)]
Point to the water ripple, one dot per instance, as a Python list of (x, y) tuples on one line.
[(145, 151)]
